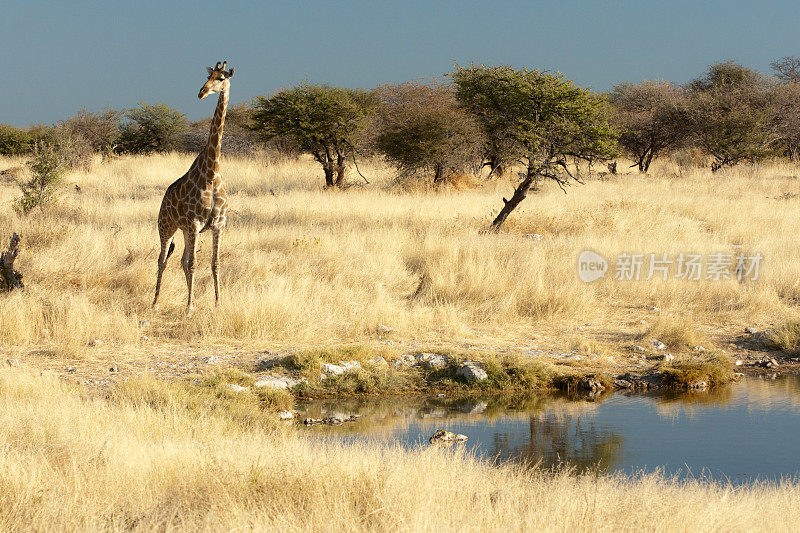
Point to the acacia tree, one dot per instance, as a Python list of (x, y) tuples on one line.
[(421, 128), (323, 120), (650, 116), (545, 119), (729, 114)]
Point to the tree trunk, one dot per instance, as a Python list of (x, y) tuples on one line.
[(519, 194), (341, 169), (438, 173), (496, 166), (647, 161), (10, 278), (328, 167)]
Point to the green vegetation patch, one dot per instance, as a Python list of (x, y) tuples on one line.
[(715, 369)]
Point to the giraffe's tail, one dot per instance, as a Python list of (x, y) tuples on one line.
[(171, 249)]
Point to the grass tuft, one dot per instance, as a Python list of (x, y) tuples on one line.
[(715, 369), (785, 338)]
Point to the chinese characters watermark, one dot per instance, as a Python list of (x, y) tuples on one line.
[(718, 266)]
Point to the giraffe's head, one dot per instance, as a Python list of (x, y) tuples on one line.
[(217, 80)]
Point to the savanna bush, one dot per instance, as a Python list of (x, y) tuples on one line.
[(151, 128), (99, 129), (47, 167), (422, 130), (14, 141)]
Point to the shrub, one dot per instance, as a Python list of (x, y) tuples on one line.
[(421, 128), (100, 130), (785, 117), (48, 166), (14, 141), (151, 128)]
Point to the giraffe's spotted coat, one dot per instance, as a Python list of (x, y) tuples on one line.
[(197, 201)]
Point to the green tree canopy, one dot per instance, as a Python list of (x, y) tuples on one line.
[(151, 128), (324, 121), (542, 118)]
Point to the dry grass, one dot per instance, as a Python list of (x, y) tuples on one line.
[(140, 459), (785, 337), (304, 267)]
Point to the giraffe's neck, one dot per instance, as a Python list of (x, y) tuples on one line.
[(209, 157)]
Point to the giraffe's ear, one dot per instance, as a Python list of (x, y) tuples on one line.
[(210, 70), (230, 72)]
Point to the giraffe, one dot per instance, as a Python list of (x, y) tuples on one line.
[(197, 201)]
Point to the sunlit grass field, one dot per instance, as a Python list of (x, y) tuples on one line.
[(303, 266), (306, 268), (156, 456)]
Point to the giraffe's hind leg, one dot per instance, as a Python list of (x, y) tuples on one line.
[(167, 247), (215, 262)]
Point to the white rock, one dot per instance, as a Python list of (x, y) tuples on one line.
[(751, 331), (278, 382), (639, 349), (329, 369), (669, 357), (211, 360), (658, 345), (95, 342), (700, 349), (698, 385), (236, 388), (285, 415), (431, 360), (654, 308), (404, 361), (471, 371), (271, 382), (446, 437), (474, 408), (379, 361), (350, 365), (144, 322), (384, 329), (739, 362), (533, 236), (12, 362)]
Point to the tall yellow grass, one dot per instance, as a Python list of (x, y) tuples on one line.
[(303, 266), (145, 458)]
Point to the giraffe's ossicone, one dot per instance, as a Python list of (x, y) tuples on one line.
[(197, 201)]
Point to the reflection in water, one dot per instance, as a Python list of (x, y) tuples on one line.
[(744, 431)]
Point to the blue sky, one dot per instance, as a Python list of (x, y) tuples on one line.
[(57, 57)]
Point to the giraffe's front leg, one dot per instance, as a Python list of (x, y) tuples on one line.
[(189, 254), (215, 262)]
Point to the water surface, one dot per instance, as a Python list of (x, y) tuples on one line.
[(749, 430)]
